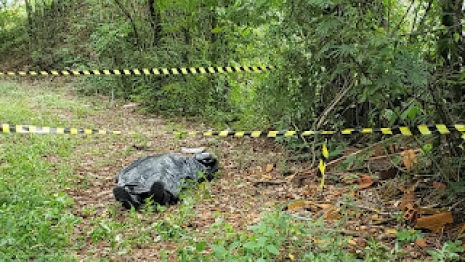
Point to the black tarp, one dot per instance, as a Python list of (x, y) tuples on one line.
[(162, 177)]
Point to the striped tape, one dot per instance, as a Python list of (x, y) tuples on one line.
[(322, 164), (406, 131), (145, 71), (27, 129)]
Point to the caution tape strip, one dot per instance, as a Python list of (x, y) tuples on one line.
[(145, 71), (27, 129), (406, 131), (322, 164)]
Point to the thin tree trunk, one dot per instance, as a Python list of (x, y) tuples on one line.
[(30, 24), (155, 22)]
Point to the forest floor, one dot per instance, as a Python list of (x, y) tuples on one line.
[(361, 217)]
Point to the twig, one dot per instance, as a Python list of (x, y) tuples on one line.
[(373, 210), (331, 107), (269, 182), (430, 31), (390, 155)]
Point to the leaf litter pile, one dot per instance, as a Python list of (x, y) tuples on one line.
[(383, 200)]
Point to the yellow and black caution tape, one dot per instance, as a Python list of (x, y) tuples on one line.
[(27, 129), (145, 71), (406, 131), (322, 164)]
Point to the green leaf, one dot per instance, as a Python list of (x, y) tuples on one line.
[(233, 246), (219, 251), (261, 241), (272, 249), (411, 112), (427, 148), (250, 245), (364, 96), (365, 81), (456, 37), (390, 115), (218, 29), (200, 246)]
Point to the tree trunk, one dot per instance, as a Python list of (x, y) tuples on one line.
[(450, 51), (451, 46), (30, 24), (155, 22)]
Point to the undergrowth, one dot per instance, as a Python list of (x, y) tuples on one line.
[(37, 223)]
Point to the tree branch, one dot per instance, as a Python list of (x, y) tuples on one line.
[(403, 18), (129, 17)]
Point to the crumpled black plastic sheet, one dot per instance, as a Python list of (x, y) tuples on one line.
[(174, 171)]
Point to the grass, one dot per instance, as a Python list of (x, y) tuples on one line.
[(35, 221), (38, 219)]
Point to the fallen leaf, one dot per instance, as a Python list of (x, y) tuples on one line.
[(365, 181), (332, 214), (410, 212), (390, 231), (406, 199), (431, 211), (266, 176), (439, 185), (324, 206), (420, 243), (269, 168), (352, 242), (410, 159), (298, 204), (291, 256), (434, 222)]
